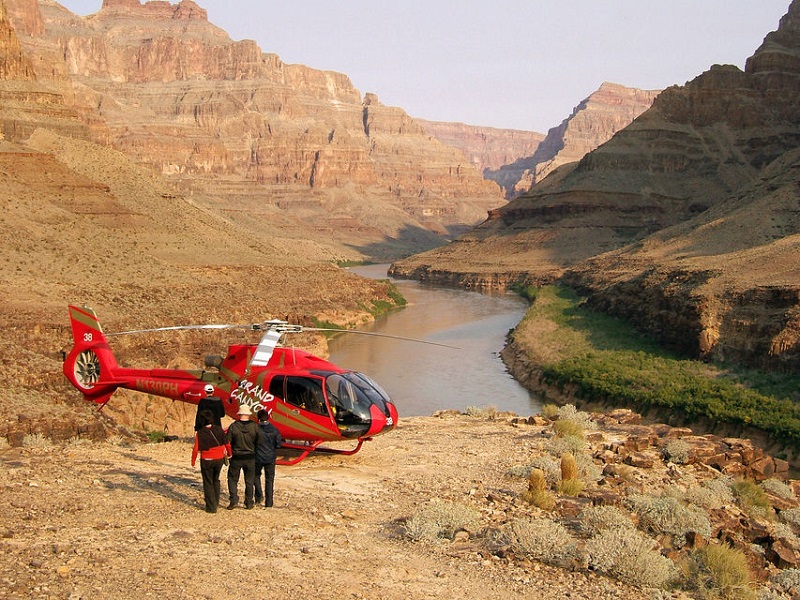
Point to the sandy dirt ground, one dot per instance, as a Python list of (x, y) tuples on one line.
[(119, 520)]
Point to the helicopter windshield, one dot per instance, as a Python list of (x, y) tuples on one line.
[(351, 394)]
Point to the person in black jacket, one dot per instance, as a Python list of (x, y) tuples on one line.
[(244, 436), (265, 457), (211, 403)]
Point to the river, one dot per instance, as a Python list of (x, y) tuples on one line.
[(423, 378)]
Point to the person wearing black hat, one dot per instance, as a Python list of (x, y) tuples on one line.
[(210, 403)]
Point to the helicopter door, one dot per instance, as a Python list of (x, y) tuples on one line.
[(306, 393)]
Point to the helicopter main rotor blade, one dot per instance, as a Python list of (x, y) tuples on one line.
[(376, 334), (183, 327), (265, 347)]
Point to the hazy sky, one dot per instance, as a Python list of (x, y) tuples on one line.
[(520, 64)]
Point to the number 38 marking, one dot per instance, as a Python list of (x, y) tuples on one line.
[(87, 337)]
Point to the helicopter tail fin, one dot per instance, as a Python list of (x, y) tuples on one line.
[(90, 364)]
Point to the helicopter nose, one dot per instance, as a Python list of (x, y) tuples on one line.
[(378, 420)]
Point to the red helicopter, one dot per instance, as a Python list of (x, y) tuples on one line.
[(311, 401)]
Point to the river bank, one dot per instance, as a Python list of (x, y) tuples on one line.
[(567, 354)]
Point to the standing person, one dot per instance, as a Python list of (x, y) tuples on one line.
[(211, 443), (212, 403), (266, 456), (243, 435)]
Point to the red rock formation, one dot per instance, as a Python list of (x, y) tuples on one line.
[(222, 119), (487, 148), (592, 123)]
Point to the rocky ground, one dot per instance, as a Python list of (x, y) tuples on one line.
[(117, 519)]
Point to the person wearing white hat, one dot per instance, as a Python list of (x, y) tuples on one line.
[(211, 403), (243, 435)]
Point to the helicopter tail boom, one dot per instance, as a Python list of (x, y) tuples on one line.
[(90, 364)]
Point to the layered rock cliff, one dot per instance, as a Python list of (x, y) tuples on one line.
[(487, 148), (592, 123), (227, 122), (712, 167)]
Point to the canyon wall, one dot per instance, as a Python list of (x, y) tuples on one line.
[(592, 123), (243, 132), (685, 222)]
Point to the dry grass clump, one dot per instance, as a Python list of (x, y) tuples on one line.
[(676, 450), (752, 498), (719, 571), (537, 492), (544, 540), (667, 515), (594, 519), (440, 520), (630, 556), (550, 411), (36, 440), (570, 484), (485, 412)]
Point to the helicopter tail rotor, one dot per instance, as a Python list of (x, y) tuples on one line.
[(90, 364)]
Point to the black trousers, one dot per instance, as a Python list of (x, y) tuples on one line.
[(269, 482), (210, 470), (248, 467)]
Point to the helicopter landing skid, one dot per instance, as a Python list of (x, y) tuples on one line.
[(315, 447)]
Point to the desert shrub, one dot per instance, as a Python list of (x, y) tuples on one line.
[(550, 411), (751, 497), (676, 450), (785, 532), (630, 556), (544, 540), (78, 441), (719, 571), (550, 465), (36, 440), (778, 488), (589, 471), (787, 581), (594, 519), (485, 412), (562, 444), (568, 412), (156, 436), (791, 516), (115, 440), (440, 520), (668, 515), (711, 493), (566, 428)]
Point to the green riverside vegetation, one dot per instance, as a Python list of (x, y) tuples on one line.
[(604, 359)]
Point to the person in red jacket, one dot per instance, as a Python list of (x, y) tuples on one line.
[(212, 444)]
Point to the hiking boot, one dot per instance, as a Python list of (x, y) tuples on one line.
[(232, 506)]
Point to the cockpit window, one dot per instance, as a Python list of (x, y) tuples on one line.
[(351, 395), (306, 393)]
